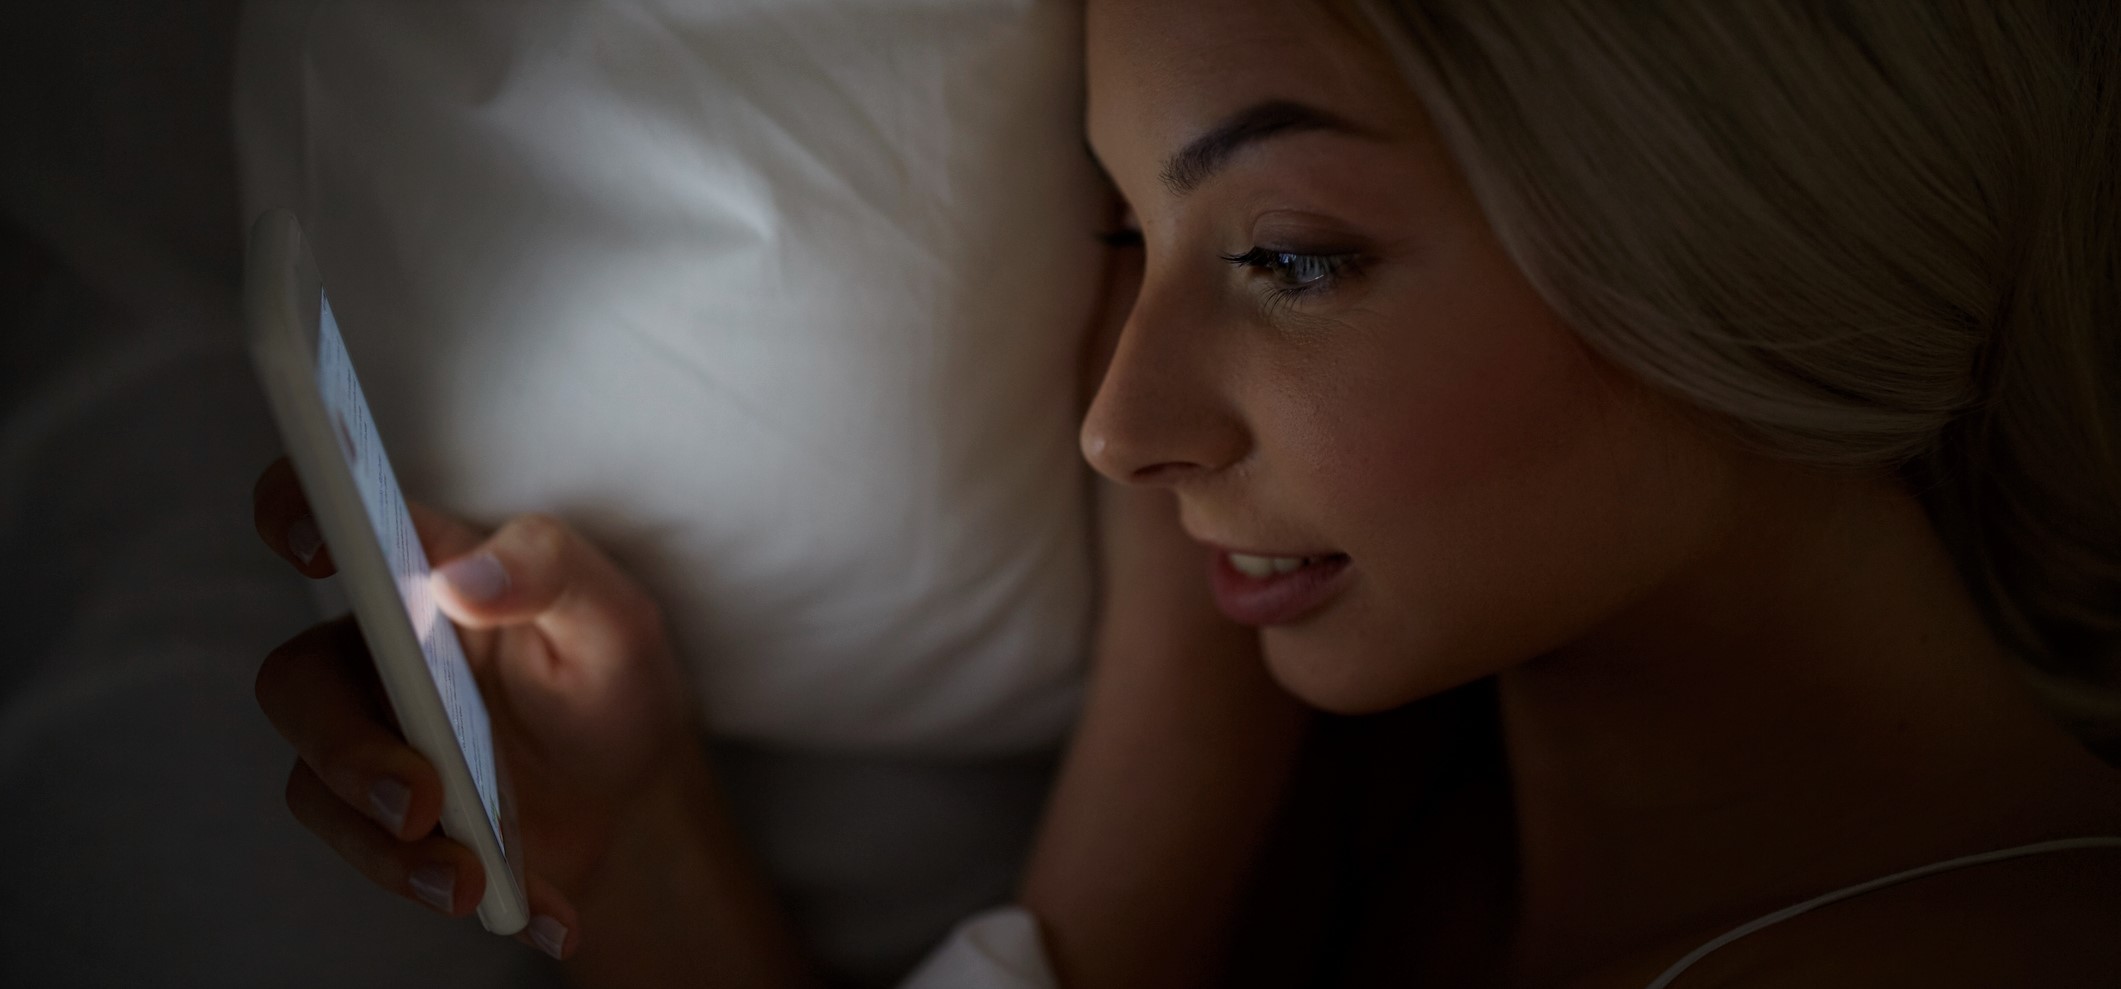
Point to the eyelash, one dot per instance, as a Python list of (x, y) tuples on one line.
[(1331, 267), (1324, 269)]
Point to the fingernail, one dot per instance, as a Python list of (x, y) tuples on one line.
[(388, 801), (550, 934), (477, 577), (303, 539), (435, 885)]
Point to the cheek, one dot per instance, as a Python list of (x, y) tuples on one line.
[(1447, 427), (1499, 492)]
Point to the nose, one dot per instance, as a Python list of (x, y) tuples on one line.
[(1164, 412)]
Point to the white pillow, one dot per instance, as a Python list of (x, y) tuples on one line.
[(781, 302)]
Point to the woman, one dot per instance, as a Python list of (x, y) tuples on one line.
[(1706, 376), (1730, 383)]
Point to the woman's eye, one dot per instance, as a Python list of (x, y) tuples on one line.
[(1291, 271)]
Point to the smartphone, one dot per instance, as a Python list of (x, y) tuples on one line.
[(316, 399)]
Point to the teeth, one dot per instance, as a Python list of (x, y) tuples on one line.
[(1252, 566), (1266, 566)]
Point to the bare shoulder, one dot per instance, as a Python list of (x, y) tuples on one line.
[(2049, 920)]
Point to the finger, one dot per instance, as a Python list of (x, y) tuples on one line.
[(432, 870), (553, 921), (537, 571), (282, 516), (444, 537), (281, 512), (321, 694)]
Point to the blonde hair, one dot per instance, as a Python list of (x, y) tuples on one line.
[(1859, 235)]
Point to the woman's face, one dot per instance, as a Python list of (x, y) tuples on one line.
[(1332, 363)]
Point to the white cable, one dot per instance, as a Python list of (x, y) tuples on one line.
[(2062, 845)]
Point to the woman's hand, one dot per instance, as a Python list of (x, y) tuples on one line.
[(590, 713)]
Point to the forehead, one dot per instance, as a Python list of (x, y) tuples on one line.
[(1160, 70)]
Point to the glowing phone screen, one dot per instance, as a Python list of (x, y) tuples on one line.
[(362, 449)]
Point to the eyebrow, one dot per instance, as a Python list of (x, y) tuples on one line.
[(1199, 160)]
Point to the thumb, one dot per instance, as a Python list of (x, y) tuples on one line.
[(537, 571), (441, 536)]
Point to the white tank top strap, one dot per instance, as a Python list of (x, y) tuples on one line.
[(2063, 845)]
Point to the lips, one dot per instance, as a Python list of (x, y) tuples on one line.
[(1261, 590)]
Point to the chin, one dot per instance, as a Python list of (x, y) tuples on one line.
[(1347, 678)]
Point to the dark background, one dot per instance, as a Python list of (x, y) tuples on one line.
[(141, 820)]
